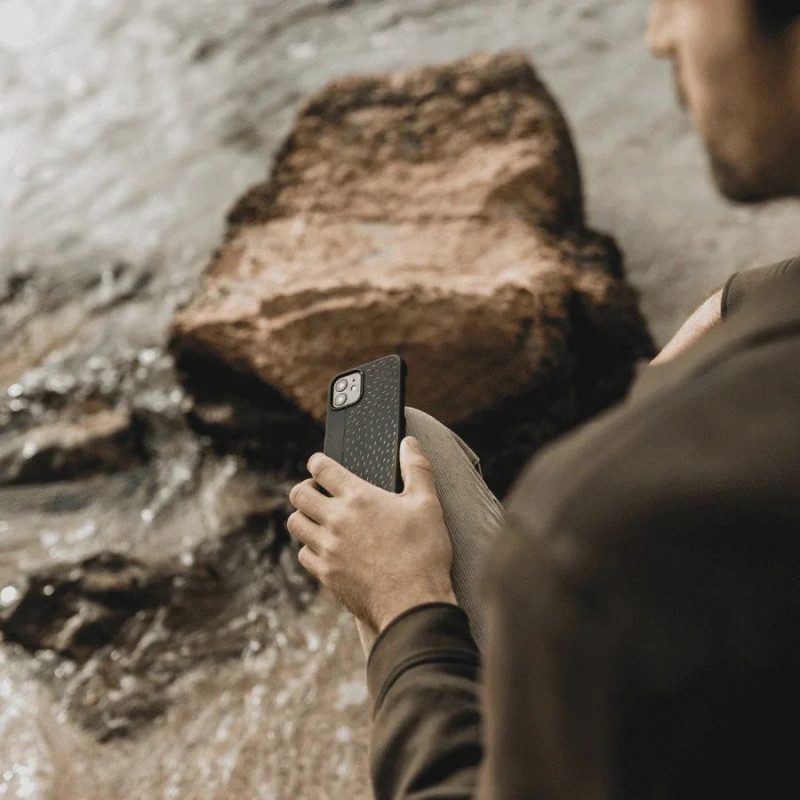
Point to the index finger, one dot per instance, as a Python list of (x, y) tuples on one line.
[(329, 474)]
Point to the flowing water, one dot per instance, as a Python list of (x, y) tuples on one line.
[(226, 675), (202, 663)]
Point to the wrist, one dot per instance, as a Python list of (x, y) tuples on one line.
[(445, 595)]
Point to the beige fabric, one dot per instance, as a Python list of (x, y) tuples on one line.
[(472, 513)]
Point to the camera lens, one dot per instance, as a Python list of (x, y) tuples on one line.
[(340, 399), (341, 385)]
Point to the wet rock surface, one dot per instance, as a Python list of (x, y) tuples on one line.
[(80, 310), (124, 630), (101, 440), (437, 213)]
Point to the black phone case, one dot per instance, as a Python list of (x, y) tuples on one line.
[(365, 437)]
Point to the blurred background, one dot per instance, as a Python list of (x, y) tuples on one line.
[(127, 131)]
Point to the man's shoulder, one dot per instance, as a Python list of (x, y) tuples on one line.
[(726, 437)]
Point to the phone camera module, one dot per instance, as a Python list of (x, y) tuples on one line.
[(340, 400), (340, 385)]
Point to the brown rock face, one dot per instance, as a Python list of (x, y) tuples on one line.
[(435, 213)]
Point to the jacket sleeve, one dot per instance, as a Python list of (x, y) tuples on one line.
[(423, 677), (742, 285)]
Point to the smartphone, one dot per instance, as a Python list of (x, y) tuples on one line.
[(366, 420)]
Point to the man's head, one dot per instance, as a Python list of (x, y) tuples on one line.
[(737, 64)]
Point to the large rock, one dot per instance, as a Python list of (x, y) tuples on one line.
[(436, 213)]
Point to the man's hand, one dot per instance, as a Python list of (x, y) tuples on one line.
[(380, 553)]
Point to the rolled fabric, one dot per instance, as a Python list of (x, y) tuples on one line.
[(742, 285)]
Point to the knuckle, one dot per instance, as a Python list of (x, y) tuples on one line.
[(316, 463), (299, 493), (337, 519), (324, 471), (332, 548), (302, 557), (417, 460), (358, 497)]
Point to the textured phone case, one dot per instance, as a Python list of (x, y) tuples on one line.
[(365, 437)]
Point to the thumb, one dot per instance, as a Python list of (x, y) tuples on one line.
[(415, 468)]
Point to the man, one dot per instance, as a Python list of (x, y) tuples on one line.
[(635, 631)]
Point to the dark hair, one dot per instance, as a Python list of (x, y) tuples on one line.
[(775, 15)]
